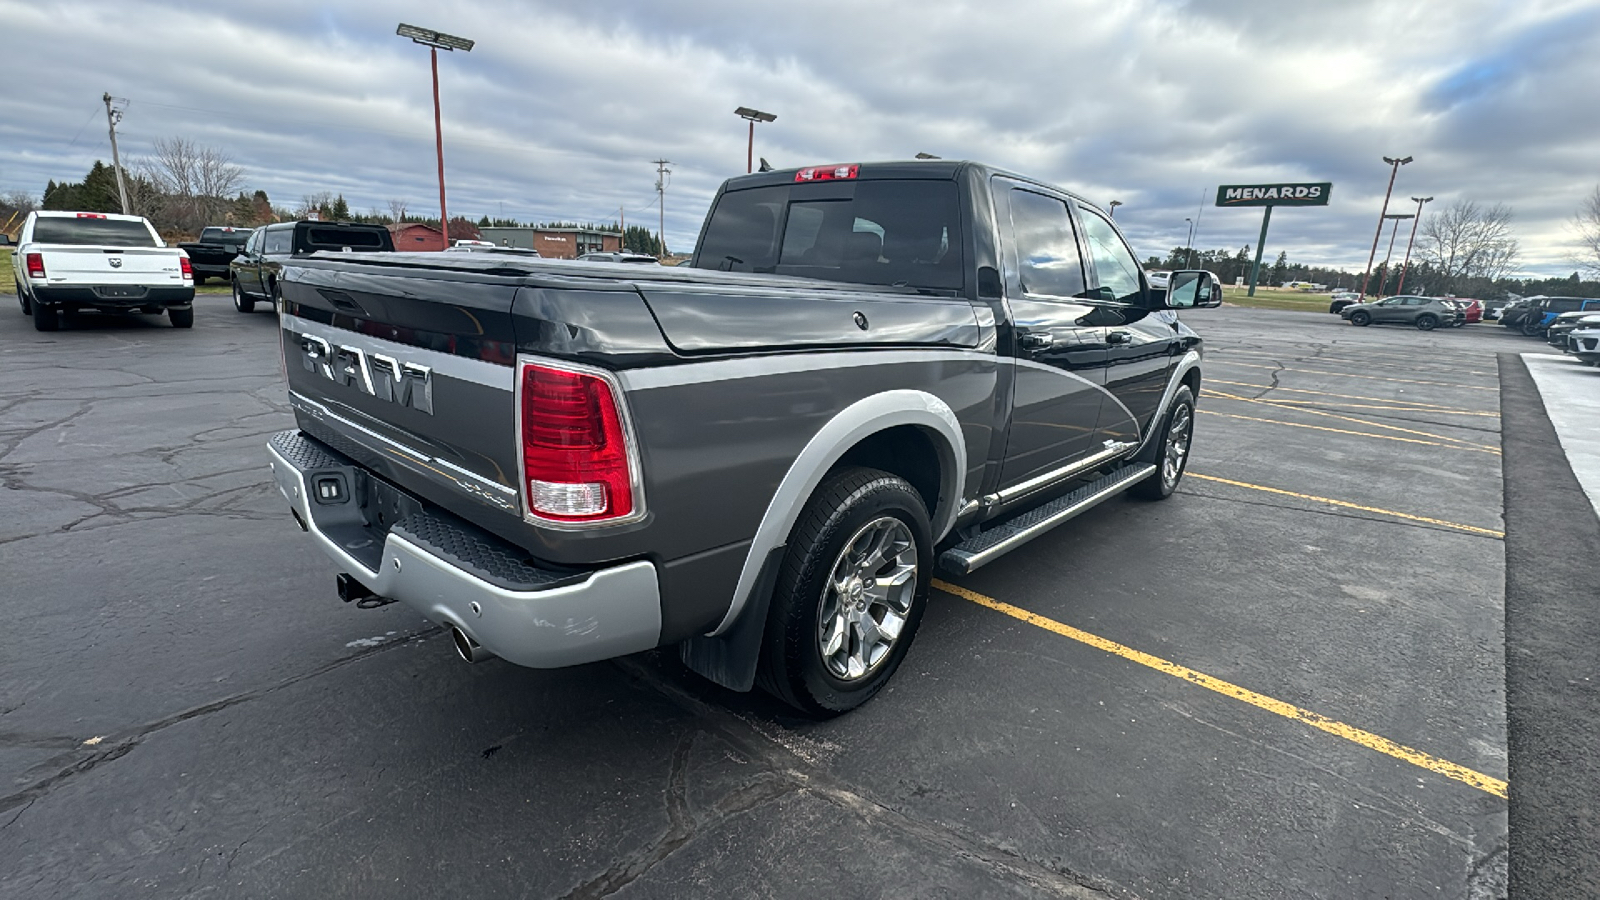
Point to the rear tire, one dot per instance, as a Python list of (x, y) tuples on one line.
[(1427, 322), (199, 280), (240, 301), (850, 595), (22, 300), (1530, 327), (44, 317), (181, 318), (1169, 451), (1361, 318)]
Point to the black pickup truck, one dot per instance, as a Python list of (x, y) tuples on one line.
[(216, 248), (255, 270), (869, 371)]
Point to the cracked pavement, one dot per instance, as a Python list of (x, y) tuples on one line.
[(186, 710)]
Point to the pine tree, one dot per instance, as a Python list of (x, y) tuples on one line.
[(340, 211), (1280, 268)]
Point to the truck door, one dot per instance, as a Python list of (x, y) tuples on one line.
[(1058, 354), (1140, 342)]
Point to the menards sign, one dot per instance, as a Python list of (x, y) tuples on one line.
[(1312, 194)]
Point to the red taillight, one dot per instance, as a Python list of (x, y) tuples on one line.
[(91, 215), (35, 265), (575, 465), (186, 266), (827, 173)]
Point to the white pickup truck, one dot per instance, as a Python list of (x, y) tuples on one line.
[(67, 261)]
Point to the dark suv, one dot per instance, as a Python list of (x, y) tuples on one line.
[(1541, 312), (255, 270)]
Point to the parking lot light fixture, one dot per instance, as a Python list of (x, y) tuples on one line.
[(1112, 207), (752, 116), (1414, 222), (436, 41), (1395, 164)]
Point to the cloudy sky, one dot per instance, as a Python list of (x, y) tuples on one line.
[(559, 110)]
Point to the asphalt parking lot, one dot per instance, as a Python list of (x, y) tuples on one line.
[(1287, 681)]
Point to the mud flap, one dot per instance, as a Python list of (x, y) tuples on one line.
[(730, 659)]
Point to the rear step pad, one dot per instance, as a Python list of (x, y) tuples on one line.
[(966, 557)]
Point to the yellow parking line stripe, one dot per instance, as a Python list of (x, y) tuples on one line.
[(1482, 782), (1320, 412), (1422, 406), (1347, 505), (1379, 408), (1376, 437), (1449, 384)]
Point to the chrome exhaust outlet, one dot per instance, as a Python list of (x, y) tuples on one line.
[(467, 648)]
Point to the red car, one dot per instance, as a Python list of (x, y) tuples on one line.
[(1470, 308)]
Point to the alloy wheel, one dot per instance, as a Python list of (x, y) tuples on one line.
[(868, 598)]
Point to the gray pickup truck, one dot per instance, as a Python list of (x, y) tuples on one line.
[(868, 371)]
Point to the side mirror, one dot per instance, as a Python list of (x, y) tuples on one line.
[(1191, 289)]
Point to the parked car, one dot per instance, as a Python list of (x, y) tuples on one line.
[(486, 247), (619, 257), (70, 261), (1158, 278), (212, 255), (1541, 311), (1426, 313), (255, 269), (869, 370), (1342, 299), (1566, 323), (1471, 309), (1584, 343)]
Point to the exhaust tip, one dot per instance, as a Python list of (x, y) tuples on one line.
[(468, 649)]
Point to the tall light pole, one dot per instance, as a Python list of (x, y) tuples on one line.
[(1396, 218), (1112, 206), (436, 41), (1414, 223), (1395, 165), (1188, 244), (752, 116)]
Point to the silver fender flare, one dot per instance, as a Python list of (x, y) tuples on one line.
[(1190, 361), (855, 422)]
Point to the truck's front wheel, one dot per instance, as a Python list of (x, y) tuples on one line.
[(1169, 450), (851, 593)]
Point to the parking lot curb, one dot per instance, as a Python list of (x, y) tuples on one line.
[(1552, 545)]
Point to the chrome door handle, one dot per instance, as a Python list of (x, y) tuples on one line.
[(1120, 337), (1034, 340)]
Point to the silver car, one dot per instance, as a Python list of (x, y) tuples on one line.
[(1426, 313)]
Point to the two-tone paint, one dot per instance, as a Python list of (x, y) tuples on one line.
[(742, 391)]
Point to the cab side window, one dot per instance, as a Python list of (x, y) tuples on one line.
[(1047, 248), (278, 241), (1114, 263)]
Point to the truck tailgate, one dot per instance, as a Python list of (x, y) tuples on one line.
[(150, 266), (410, 374)]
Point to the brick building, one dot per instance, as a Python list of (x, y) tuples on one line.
[(416, 236), (553, 243)]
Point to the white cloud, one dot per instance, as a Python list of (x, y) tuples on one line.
[(557, 112)]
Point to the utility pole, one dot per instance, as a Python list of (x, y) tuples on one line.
[(1414, 223), (662, 173), (1393, 171), (113, 116)]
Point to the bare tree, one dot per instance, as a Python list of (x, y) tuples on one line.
[(1465, 240), (1586, 224), (397, 210), (313, 203), (196, 181)]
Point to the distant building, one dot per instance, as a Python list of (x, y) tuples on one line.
[(416, 236), (552, 243)]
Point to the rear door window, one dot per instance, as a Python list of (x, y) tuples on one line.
[(873, 232), (1047, 248), (279, 241), (91, 231)]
